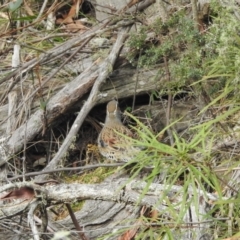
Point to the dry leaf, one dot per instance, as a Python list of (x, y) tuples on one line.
[(154, 215), (75, 27), (130, 4), (73, 11), (72, 25), (130, 234), (22, 193), (28, 9)]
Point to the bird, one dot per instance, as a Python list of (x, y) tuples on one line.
[(114, 140)]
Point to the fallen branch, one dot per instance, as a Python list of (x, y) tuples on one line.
[(120, 190)]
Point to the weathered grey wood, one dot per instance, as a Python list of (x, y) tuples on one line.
[(126, 82), (58, 104), (95, 216), (12, 106), (120, 189), (13, 95), (112, 200), (122, 80), (106, 9)]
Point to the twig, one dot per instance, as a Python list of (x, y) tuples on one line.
[(168, 113), (42, 9), (31, 221), (136, 83), (75, 222), (88, 167), (195, 14)]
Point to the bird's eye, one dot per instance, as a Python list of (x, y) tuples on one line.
[(102, 143)]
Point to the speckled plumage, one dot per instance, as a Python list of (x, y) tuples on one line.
[(111, 143)]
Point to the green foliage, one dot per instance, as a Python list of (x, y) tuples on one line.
[(223, 50), (175, 39), (181, 167), (23, 18), (209, 63)]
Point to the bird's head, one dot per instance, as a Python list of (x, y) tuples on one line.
[(113, 111)]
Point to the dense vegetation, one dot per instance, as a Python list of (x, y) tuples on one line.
[(200, 63)]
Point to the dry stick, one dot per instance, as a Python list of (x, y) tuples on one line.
[(105, 69), (195, 14), (53, 36), (75, 222), (44, 218), (87, 167), (58, 104), (108, 190), (168, 113), (33, 207), (42, 9), (12, 102)]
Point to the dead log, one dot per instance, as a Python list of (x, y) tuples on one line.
[(112, 196)]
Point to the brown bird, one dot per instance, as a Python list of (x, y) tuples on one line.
[(112, 142)]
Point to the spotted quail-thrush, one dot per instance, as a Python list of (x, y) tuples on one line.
[(112, 142)]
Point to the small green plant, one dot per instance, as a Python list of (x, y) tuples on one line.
[(188, 164)]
